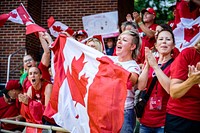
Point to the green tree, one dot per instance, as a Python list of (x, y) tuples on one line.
[(163, 14)]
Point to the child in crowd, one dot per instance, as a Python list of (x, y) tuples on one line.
[(110, 46), (80, 35)]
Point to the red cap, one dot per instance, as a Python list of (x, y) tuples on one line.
[(13, 84), (81, 32), (150, 10)]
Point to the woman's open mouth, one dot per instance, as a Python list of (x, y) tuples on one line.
[(33, 81)]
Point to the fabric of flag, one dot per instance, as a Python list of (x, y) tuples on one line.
[(187, 23), (21, 16), (3, 19), (89, 90), (34, 28), (56, 27), (18, 15)]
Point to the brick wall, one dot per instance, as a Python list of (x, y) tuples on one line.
[(70, 12), (33, 46), (12, 36)]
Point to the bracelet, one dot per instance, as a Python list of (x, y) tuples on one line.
[(140, 23)]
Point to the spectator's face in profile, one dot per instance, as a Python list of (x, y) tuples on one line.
[(34, 75), (14, 93), (174, 11), (148, 17), (164, 43), (28, 62)]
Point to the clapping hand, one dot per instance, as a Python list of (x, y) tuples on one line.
[(194, 73), (23, 98)]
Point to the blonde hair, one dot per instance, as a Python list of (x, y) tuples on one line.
[(136, 40), (98, 44), (197, 45)]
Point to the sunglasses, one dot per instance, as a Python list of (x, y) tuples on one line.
[(28, 60)]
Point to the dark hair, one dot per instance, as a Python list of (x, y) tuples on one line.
[(166, 26), (172, 8), (37, 68), (170, 31), (111, 38), (133, 24), (192, 6)]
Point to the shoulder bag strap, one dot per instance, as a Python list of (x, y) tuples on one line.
[(153, 82)]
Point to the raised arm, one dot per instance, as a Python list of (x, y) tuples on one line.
[(45, 40), (145, 29), (163, 79), (143, 78)]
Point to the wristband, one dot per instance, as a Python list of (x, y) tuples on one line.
[(140, 23)]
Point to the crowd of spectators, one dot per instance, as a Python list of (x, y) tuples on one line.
[(142, 48)]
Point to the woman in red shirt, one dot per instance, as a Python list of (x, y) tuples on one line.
[(153, 119), (36, 98), (183, 109)]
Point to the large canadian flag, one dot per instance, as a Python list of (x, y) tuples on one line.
[(89, 90), (187, 31), (21, 16)]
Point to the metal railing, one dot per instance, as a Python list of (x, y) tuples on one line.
[(47, 127), (9, 58)]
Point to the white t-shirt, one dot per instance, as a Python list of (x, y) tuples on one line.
[(132, 67)]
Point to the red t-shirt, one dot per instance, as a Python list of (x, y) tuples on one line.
[(146, 42), (156, 118), (39, 94), (33, 112), (188, 106)]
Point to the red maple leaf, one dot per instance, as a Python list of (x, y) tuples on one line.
[(13, 15), (57, 28), (77, 86), (190, 33)]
